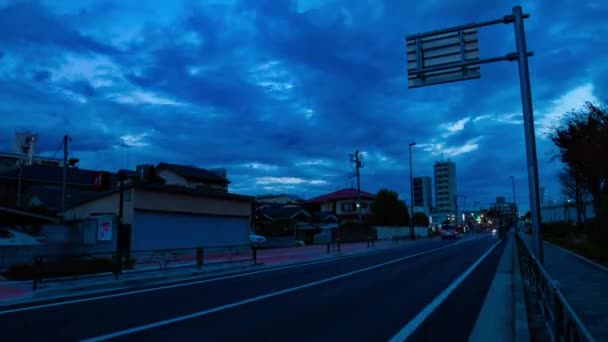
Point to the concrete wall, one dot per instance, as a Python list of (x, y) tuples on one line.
[(566, 212), (106, 205), (182, 203), (384, 233)]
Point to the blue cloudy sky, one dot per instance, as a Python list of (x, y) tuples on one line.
[(280, 92)]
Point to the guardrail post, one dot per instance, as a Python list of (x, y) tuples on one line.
[(199, 257), (558, 314), (37, 271), (338, 241), (328, 248), (118, 264), (254, 250)]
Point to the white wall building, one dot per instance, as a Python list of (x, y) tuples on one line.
[(445, 186), (423, 192)]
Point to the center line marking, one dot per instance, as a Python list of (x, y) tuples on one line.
[(255, 299)]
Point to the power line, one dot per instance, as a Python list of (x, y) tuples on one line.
[(57, 150)]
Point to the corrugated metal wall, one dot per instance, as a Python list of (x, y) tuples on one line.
[(160, 230)]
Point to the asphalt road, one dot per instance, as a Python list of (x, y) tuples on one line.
[(368, 297)]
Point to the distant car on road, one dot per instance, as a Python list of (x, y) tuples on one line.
[(448, 232), (258, 240)]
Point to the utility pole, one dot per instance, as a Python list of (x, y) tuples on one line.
[(65, 174), (514, 203), (412, 231), (356, 158)]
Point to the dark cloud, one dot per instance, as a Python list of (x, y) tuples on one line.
[(267, 83), (29, 23), (42, 75)]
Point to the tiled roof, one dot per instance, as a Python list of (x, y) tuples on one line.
[(50, 174), (194, 173), (50, 196), (282, 212), (341, 195)]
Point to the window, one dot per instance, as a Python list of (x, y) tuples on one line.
[(349, 206), (127, 196)]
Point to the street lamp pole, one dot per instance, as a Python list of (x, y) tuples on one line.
[(412, 233), (514, 203)]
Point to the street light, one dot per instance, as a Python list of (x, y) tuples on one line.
[(514, 203), (412, 233)]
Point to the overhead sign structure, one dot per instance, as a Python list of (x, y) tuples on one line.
[(436, 58), (452, 54)]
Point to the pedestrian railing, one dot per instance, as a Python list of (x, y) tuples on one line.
[(562, 322), (70, 266)]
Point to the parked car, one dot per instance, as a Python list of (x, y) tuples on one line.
[(258, 240), (448, 232), (10, 237)]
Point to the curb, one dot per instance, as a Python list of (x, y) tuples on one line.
[(521, 328), (109, 285)]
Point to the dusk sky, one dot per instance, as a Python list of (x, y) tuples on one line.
[(280, 92)]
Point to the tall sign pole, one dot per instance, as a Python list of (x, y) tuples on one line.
[(452, 55), (526, 101), (65, 175), (412, 230)]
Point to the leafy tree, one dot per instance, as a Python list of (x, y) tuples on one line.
[(582, 143), (389, 210), (573, 187), (420, 220), (528, 216)]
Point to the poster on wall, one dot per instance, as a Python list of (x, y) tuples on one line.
[(104, 230)]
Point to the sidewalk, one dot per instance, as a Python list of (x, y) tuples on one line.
[(15, 291), (503, 315), (584, 285)]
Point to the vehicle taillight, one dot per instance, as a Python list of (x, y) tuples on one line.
[(440, 231)]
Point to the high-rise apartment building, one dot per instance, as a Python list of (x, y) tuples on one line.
[(423, 193), (445, 187)]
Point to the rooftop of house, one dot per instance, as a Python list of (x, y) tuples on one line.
[(343, 194), (175, 189), (50, 174), (50, 196), (283, 212), (194, 173)]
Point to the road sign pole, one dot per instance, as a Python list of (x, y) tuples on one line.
[(526, 99)]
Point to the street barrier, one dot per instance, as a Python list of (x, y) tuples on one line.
[(562, 322), (57, 267)]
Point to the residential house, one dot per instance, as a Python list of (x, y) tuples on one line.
[(189, 208), (343, 204), (193, 177)]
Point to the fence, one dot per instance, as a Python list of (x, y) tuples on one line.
[(59, 266), (562, 322)]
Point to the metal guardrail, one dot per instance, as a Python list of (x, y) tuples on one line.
[(60, 266), (562, 322)]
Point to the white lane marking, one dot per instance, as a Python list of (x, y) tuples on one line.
[(410, 327), (159, 288), (255, 299)]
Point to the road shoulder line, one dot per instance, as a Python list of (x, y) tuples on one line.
[(412, 325)]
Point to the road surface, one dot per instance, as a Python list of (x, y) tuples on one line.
[(431, 290)]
